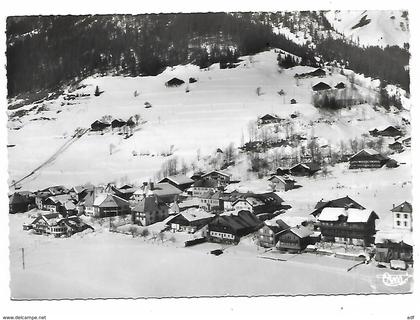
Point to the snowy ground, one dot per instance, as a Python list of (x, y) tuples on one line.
[(215, 112), (103, 264)]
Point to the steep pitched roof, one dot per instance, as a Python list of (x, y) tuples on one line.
[(344, 202), (109, 201), (178, 179), (301, 231), (353, 215), (217, 172), (149, 203), (403, 207)]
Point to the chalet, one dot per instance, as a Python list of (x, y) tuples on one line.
[(229, 198), (54, 224), (268, 234), (180, 181), (118, 123), (190, 220), (211, 201), (78, 191), (165, 191), (109, 205), (174, 82), (367, 158), (305, 169), (390, 131), (197, 175), (293, 101), (268, 202), (56, 190), (219, 176), (294, 239), (316, 73), (149, 210), (406, 142), (268, 118), (349, 226), (344, 202), (321, 86), (282, 171), (19, 202), (281, 183), (230, 228), (396, 146), (99, 125), (85, 203), (394, 246), (63, 204), (202, 186), (126, 192), (403, 216), (340, 85)]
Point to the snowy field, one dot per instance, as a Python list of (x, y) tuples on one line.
[(104, 264), (215, 112)]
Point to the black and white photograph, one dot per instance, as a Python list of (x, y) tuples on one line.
[(173, 154)]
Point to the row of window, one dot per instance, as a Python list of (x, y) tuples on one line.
[(222, 235), (405, 224), (399, 215)]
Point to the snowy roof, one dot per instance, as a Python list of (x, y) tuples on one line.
[(216, 172), (195, 214), (109, 200), (353, 215), (331, 214), (178, 179), (358, 215), (395, 237), (301, 231), (403, 207)]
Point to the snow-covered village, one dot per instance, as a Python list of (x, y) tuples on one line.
[(197, 155)]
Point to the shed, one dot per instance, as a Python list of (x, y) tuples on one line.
[(321, 86), (174, 82)]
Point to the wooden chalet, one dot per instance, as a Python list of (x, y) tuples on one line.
[(99, 125), (268, 202), (268, 118), (304, 169), (54, 224), (340, 85), (394, 246), (344, 202), (65, 204), (316, 73), (190, 220), (294, 239), (396, 146), (230, 228), (228, 199), (149, 210), (219, 176), (110, 205), (268, 234), (280, 183), (321, 86), (367, 158), (349, 226), (390, 131), (174, 82), (182, 182), (118, 123)]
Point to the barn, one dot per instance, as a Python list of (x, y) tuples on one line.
[(99, 125), (321, 86), (174, 82), (367, 158)]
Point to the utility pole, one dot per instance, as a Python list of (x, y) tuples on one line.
[(23, 258)]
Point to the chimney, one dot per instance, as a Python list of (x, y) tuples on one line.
[(151, 185), (393, 205)]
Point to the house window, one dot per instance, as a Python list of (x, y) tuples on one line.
[(398, 223), (405, 223), (405, 216), (398, 215)]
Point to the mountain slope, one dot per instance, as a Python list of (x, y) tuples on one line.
[(373, 28)]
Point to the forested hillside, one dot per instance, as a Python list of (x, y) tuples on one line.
[(44, 52)]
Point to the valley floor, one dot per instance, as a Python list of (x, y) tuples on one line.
[(109, 265)]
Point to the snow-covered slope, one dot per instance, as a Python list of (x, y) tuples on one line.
[(215, 112), (377, 27)]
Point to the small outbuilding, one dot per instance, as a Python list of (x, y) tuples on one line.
[(321, 86), (174, 82)]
